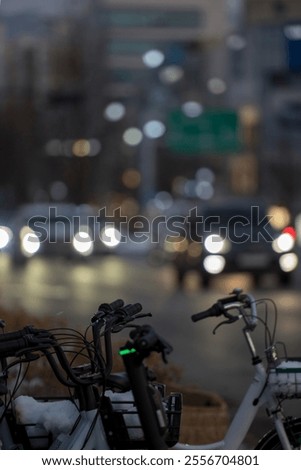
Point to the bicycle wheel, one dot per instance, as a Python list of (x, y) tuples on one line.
[(270, 441)]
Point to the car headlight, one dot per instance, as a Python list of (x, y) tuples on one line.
[(83, 243), (214, 264), (288, 262), (5, 236), (216, 244), (110, 237), (285, 242), (29, 241)]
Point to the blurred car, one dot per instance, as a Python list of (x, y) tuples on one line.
[(51, 230), (62, 230), (236, 238)]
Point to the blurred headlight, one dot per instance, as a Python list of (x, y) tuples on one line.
[(214, 264), (288, 262), (110, 236), (83, 243), (285, 242), (5, 236), (215, 244), (30, 243)]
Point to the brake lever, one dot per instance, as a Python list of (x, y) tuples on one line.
[(231, 319), (142, 315)]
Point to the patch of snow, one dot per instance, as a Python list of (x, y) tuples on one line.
[(55, 416)]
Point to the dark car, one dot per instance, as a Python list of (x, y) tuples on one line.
[(235, 238)]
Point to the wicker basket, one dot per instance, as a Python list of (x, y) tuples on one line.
[(205, 415)]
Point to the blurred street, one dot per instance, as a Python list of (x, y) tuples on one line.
[(73, 291), (141, 142)]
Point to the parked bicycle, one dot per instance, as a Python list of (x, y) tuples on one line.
[(275, 380), (100, 412), (131, 411)]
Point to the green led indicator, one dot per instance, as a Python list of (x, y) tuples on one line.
[(125, 352)]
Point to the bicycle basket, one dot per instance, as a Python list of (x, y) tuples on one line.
[(285, 379), (122, 424), (37, 421)]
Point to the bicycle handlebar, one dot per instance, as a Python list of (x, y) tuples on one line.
[(113, 316), (236, 300), (18, 334), (105, 309), (145, 340), (33, 341), (213, 311), (125, 313)]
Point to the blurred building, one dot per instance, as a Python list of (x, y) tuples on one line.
[(63, 63), (190, 37), (111, 96), (273, 28), (51, 84)]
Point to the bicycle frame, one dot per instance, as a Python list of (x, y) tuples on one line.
[(89, 431), (259, 393), (245, 415)]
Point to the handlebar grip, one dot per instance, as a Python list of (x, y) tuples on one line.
[(215, 311), (10, 348), (13, 335), (38, 339), (130, 310), (118, 303), (106, 309), (18, 334)]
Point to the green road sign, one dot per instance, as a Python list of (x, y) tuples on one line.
[(212, 132)]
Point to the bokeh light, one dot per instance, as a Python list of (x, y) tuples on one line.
[(132, 136), (114, 111), (153, 58)]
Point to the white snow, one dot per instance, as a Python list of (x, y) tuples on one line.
[(55, 416), (59, 416)]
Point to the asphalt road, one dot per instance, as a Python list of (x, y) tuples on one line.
[(217, 362)]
